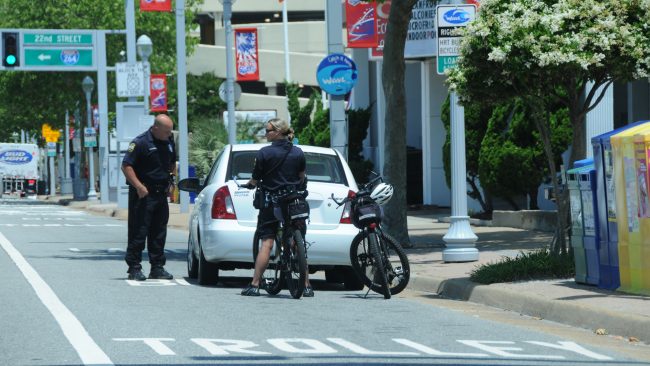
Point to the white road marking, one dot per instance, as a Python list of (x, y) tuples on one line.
[(430, 351), (74, 249), (574, 347), (364, 351), (232, 345), (155, 343), (313, 345), (74, 331), (502, 351)]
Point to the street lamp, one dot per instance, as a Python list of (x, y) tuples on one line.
[(230, 71), (145, 49), (88, 85)]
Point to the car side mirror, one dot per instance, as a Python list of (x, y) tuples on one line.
[(192, 185)]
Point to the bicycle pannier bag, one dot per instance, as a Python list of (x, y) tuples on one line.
[(298, 209), (365, 213)]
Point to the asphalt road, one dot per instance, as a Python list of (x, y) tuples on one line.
[(65, 300)]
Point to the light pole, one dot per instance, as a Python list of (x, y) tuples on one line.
[(145, 49), (230, 70), (88, 85)]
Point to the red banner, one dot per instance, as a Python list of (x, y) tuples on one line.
[(158, 93), (361, 21), (475, 2), (246, 56), (155, 5), (382, 11)]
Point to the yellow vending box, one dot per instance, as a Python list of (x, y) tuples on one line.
[(629, 230), (642, 252)]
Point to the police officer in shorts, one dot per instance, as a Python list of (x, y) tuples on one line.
[(149, 165), (277, 166)]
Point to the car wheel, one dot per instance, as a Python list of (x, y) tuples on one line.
[(192, 261), (208, 273)]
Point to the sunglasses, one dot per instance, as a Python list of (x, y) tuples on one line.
[(269, 130)]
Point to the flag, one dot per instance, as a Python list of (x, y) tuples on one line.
[(246, 55), (361, 21), (158, 93), (155, 5)]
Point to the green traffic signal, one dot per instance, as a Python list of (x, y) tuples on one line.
[(10, 48), (10, 60)]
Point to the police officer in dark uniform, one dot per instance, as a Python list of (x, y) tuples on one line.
[(148, 166), (278, 166)]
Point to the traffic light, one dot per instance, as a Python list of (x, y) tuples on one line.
[(10, 56)]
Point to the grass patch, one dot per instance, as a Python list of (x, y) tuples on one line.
[(537, 265)]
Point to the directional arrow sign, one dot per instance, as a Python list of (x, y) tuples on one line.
[(66, 57)]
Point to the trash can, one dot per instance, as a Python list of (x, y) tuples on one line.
[(606, 209), (587, 183), (79, 189), (577, 222), (627, 222), (640, 255)]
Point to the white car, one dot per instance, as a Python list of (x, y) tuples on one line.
[(223, 221)]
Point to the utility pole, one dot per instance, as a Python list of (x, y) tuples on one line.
[(338, 122)]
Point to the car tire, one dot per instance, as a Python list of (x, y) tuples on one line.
[(208, 273), (192, 261)]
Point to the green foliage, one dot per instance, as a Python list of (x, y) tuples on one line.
[(207, 139), (476, 120), (316, 131), (203, 99), (512, 161), (29, 99), (536, 265)]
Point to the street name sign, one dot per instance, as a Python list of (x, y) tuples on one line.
[(44, 38), (449, 18)]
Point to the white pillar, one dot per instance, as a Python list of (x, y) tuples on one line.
[(601, 118), (230, 72), (183, 142), (381, 120), (427, 154), (460, 238)]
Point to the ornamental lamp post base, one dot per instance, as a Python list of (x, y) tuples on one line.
[(459, 241)]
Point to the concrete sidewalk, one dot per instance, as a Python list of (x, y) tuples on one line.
[(561, 300)]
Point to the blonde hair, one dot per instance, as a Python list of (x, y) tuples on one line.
[(282, 126)]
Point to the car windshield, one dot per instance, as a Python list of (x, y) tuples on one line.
[(320, 167)]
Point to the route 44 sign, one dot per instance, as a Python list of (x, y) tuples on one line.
[(130, 79)]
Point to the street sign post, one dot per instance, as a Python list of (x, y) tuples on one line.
[(449, 18)]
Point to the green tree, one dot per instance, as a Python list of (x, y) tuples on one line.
[(549, 52), (206, 140), (512, 161), (29, 99), (203, 99)]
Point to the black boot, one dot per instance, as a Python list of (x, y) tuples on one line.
[(159, 273)]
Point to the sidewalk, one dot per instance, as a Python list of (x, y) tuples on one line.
[(562, 301)]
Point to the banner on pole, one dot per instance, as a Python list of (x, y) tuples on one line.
[(155, 5), (246, 54), (158, 92), (361, 23)]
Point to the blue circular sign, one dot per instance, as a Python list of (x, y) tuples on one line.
[(336, 74)]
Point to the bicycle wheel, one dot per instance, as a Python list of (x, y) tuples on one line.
[(271, 279), (380, 279), (398, 268), (297, 264)]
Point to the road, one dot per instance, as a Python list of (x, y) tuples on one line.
[(65, 300)]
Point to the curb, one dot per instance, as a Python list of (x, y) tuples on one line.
[(581, 316)]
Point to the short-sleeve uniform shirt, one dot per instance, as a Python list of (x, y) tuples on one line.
[(284, 175), (151, 159)]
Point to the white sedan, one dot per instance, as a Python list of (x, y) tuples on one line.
[(223, 221)]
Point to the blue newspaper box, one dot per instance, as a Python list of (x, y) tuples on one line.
[(606, 210)]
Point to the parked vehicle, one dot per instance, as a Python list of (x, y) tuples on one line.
[(377, 258), (19, 169), (223, 220)]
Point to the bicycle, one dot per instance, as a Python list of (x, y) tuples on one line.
[(379, 260), (288, 260)]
